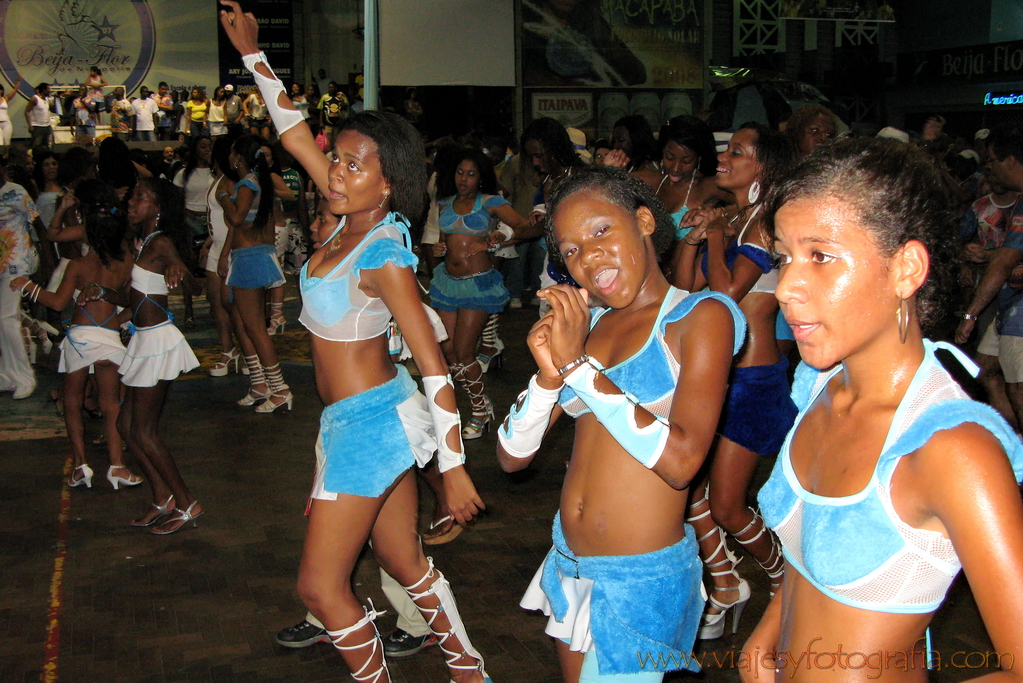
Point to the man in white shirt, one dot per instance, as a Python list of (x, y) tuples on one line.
[(18, 220), (145, 110), (37, 116)]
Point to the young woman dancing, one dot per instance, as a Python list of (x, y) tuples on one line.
[(466, 288), (892, 479), (249, 264), (93, 341), (646, 379), (758, 412), (689, 164), (376, 424), (158, 352)]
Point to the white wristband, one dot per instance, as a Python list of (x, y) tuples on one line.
[(522, 431), (443, 422), (272, 88)]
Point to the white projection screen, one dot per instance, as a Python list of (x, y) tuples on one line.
[(447, 42)]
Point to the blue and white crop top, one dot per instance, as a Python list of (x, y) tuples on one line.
[(250, 182), (855, 549), (477, 222), (768, 282), (333, 306), (650, 375)]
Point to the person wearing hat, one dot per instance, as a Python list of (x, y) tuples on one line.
[(233, 111), (578, 139)]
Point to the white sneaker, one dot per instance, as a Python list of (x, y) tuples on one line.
[(24, 392), (515, 302)]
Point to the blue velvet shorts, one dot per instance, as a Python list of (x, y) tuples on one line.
[(481, 292), (758, 411), (254, 268)]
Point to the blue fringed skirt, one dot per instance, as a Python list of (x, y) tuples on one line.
[(254, 268), (481, 292)]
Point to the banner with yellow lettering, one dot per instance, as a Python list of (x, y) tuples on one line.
[(612, 43)]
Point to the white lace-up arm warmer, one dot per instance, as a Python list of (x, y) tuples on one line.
[(522, 431), (272, 88)]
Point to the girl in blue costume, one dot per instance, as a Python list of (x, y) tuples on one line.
[(689, 164), (249, 263), (376, 425), (758, 412), (892, 479), (622, 579), (466, 288)]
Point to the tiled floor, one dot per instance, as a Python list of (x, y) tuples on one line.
[(204, 605)]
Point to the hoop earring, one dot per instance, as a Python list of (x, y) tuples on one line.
[(754, 192), (903, 316)]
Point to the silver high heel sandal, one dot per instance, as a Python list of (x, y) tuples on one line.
[(181, 517), (278, 390), (713, 625), (163, 511), (774, 565), (256, 377)]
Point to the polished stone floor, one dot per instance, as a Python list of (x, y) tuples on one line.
[(86, 599)]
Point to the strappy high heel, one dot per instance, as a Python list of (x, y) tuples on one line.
[(482, 408), (131, 480), (491, 342), (278, 390), (277, 320), (223, 366), (84, 480), (162, 511), (256, 378), (713, 625), (440, 592), (366, 671), (179, 518), (774, 565)]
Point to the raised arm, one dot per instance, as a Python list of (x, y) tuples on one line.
[(243, 31), (14, 91)]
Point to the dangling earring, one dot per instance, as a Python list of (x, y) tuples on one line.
[(903, 316), (754, 192), (384, 200)]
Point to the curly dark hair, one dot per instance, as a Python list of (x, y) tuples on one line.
[(691, 132), (220, 157), (104, 218), (488, 179), (73, 166), (644, 146), (402, 158), (898, 195), (171, 200), (250, 148), (554, 138), (621, 189)]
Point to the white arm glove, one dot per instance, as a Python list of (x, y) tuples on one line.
[(272, 88), (443, 422), (522, 431)]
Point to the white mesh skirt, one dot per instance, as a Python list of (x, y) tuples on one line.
[(156, 353), (85, 345)]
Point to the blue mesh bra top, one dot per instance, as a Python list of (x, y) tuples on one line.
[(476, 222), (650, 375), (766, 283), (333, 306), (248, 181), (856, 549)]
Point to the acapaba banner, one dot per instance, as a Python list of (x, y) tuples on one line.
[(612, 43), (133, 42)]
